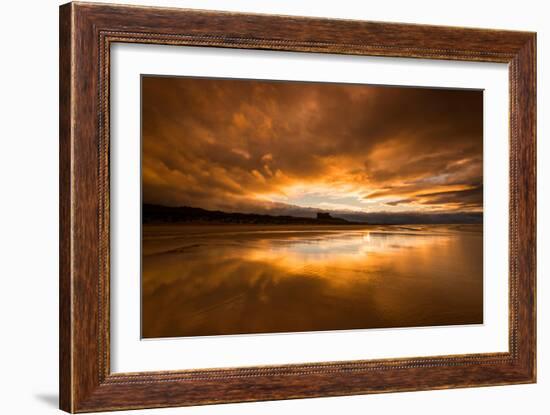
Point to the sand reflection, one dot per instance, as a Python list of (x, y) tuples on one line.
[(210, 280)]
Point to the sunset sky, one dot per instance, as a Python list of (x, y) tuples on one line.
[(284, 147)]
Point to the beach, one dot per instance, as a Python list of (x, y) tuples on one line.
[(202, 280)]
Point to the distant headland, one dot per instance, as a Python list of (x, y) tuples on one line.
[(186, 214), (158, 214)]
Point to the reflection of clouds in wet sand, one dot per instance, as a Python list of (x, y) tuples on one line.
[(229, 280), (353, 248)]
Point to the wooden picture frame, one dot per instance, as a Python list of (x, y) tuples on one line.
[(86, 33)]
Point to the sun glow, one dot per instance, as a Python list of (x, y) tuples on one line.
[(249, 146)]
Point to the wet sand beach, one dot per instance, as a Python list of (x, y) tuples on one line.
[(202, 280)]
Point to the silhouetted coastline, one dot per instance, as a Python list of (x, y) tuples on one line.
[(158, 214)]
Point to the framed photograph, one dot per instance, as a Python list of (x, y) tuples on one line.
[(258, 207)]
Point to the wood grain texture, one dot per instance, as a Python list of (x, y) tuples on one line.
[(65, 246), (86, 33)]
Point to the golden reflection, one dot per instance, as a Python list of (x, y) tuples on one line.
[(208, 280), (337, 251)]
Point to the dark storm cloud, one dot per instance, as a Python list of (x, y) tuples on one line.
[(259, 145)]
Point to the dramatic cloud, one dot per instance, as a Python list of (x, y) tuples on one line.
[(280, 147)]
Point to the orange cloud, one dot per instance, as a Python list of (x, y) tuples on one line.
[(257, 146)]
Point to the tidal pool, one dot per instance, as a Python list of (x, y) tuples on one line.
[(231, 279)]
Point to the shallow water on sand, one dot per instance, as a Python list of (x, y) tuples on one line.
[(233, 279)]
